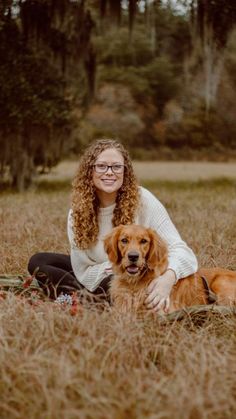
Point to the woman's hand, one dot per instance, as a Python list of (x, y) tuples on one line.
[(159, 291)]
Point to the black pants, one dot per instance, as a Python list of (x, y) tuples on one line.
[(55, 275)]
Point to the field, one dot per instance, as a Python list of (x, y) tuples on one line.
[(161, 170), (97, 364)]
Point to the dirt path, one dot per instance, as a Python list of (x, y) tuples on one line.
[(160, 170)]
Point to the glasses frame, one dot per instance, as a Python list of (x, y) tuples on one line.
[(108, 167)]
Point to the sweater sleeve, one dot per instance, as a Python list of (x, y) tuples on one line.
[(87, 271), (181, 258)]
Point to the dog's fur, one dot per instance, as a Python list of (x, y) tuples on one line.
[(139, 255)]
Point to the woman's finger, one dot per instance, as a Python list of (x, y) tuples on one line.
[(151, 286), (151, 296), (167, 305), (154, 301), (160, 305)]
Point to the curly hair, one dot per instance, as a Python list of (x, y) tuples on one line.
[(85, 203)]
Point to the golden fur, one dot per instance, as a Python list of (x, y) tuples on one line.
[(128, 288), (85, 203)]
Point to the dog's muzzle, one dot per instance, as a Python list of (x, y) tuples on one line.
[(133, 268)]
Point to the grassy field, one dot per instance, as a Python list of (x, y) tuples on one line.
[(97, 364)]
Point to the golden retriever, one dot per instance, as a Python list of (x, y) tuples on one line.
[(139, 255)]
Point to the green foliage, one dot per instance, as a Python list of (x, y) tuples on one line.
[(39, 42), (198, 131), (116, 48), (34, 82), (162, 81), (33, 107), (172, 35), (156, 80)]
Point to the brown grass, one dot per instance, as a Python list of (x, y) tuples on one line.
[(96, 364)]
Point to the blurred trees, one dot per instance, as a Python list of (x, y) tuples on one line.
[(44, 45), (208, 80), (72, 70), (179, 69), (148, 64), (212, 22)]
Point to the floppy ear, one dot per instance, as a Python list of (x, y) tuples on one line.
[(111, 244), (158, 254)]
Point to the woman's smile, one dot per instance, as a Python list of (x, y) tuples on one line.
[(107, 184), (108, 181)]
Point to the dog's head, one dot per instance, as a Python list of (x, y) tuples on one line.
[(134, 249)]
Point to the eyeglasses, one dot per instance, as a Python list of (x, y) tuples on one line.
[(103, 168)]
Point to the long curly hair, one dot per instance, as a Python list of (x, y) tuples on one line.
[(85, 203)]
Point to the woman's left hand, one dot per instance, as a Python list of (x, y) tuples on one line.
[(159, 291)]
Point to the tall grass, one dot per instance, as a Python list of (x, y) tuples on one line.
[(97, 364)]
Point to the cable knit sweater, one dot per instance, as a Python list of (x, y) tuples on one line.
[(91, 265)]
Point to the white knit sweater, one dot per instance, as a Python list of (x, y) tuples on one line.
[(91, 266)]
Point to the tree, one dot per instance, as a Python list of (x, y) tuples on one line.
[(211, 23), (43, 46), (46, 49)]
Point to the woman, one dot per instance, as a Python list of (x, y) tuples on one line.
[(105, 194)]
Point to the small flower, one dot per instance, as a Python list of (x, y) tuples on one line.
[(75, 305), (3, 295), (64, 299), (27, 282)]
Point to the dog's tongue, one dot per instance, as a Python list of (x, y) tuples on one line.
[(132, 269)]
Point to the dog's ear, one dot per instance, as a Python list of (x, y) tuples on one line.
[(158, 254), (111, 244)]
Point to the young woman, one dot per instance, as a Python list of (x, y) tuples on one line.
[(105, 194)]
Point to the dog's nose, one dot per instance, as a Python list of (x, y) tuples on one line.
[(133, 256)]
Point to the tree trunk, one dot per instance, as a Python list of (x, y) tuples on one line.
[(213, 61), (22, 168)]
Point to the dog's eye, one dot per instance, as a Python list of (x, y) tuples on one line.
[(124, 240), (143, 241)]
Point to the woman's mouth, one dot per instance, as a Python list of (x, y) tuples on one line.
[(108, 181)]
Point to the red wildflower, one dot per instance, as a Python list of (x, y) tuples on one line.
[(3, 295), (76, 306), (27, 281)]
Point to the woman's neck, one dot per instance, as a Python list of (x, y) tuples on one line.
[(106, 200)]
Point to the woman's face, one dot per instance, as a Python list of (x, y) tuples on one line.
[(108, 182)]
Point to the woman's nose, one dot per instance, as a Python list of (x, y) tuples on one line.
[(109, 170)]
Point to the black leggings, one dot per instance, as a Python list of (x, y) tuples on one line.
[(55, 275)]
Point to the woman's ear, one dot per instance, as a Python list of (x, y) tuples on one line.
[(111, 244), (158, 254)]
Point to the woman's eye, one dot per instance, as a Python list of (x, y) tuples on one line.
[(124, 241), (143, 241), (117, 167)]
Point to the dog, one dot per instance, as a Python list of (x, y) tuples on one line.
[(138, 255)]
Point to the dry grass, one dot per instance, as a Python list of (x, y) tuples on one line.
[(96, 364)]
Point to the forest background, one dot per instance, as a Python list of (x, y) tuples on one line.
[(159, 75)]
